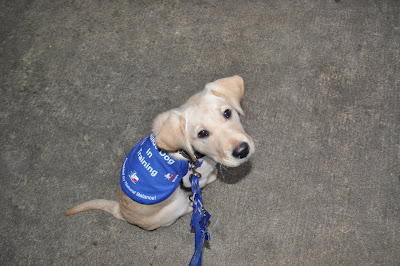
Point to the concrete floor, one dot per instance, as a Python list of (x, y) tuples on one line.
[(81, 82)]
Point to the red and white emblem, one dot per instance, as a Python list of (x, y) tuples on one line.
[(133, 177), (171, 177)]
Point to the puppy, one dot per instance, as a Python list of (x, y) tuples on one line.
[(207, 127)]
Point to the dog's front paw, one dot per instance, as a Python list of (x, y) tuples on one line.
[(212, 177)]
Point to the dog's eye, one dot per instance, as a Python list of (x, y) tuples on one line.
[(227, 113), (203, 134)]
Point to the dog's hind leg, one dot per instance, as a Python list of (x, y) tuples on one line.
[(97, 204)]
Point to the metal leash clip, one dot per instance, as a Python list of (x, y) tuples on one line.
[(192, 167)]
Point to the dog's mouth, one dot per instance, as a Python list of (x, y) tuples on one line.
[(233, 162)]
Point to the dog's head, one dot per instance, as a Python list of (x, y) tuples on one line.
[(209, 122)]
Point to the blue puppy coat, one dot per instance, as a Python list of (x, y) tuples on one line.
[(149, 175)]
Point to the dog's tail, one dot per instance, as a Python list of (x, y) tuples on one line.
[(97, 204)]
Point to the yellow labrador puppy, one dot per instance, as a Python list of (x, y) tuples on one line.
[(207, 127)]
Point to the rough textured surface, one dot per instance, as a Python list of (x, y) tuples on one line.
[(81, 82)]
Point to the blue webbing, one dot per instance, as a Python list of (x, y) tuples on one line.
[(199, 221)]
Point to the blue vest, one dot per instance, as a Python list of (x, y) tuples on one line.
[(149, 175)]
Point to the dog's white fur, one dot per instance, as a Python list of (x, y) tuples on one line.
[(178, 129)]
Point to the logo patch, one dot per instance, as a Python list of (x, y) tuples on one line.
[(133, 177), (171, 177)]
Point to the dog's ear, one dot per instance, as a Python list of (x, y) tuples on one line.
[(231, 89), (170, 133)]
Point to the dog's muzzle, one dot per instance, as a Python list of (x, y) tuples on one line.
[(242, 151)]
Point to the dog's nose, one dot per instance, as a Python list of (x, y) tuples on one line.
[(242, 151)]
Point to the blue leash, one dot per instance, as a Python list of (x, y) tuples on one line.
[(199, 221)]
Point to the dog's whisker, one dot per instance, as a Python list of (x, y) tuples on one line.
[(221, 168)]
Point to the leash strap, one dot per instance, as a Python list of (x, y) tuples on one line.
[(199, 221)]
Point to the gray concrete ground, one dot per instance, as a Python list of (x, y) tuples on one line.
[(81, 82)]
